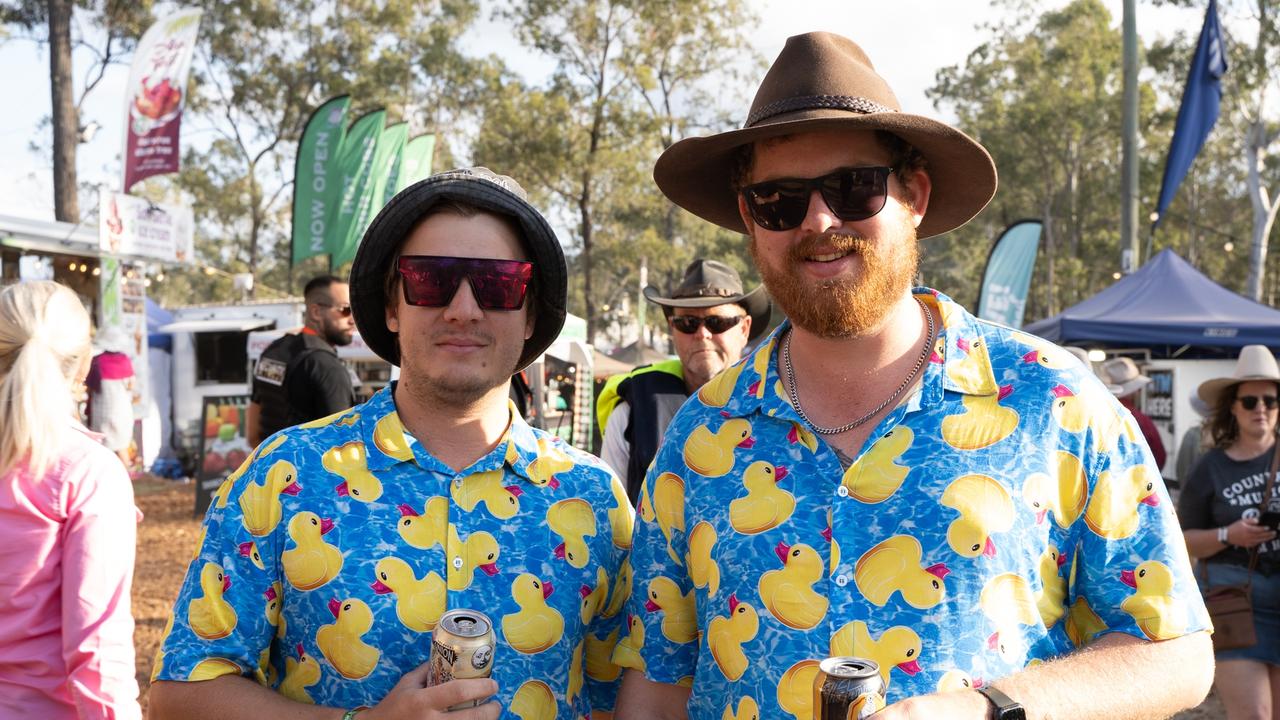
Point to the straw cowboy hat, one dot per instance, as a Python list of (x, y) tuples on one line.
[(823, 81), (1122, 377), (708, 283), (112, 339), (1255, 363)]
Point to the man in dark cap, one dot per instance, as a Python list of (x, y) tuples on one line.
[(711, 319), (329, 559), (889, 477)]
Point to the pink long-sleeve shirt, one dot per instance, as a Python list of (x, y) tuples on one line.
[(66, 565)]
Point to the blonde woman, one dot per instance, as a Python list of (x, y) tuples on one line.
[(67, 524)]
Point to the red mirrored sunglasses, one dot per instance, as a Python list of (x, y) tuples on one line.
[(433, 280)]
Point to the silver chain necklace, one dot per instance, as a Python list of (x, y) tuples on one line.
[(795, 396)]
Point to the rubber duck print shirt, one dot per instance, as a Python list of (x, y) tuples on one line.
[(330, 555), (1006, 513)]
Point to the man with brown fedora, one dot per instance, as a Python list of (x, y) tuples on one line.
[(887, 476), (712, 318), (1125, 381), (330, 568)]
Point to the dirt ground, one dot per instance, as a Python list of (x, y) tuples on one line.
[(166, 541)]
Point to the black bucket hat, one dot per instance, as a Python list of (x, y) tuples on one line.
[(488, 191), (708, 283)]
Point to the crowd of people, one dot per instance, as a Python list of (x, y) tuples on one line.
[(881, 475)]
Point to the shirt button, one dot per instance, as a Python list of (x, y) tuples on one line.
[(457, 563), (842, 579), (842, 491)]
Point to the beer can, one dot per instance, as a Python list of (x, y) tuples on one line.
[(461, 647), (847, 688)]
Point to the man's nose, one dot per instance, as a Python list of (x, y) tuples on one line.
[(819, 217), (462, 306)]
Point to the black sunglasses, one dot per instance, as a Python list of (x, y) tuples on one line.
[(433, 280), (343, 310), (716, 324), (855, 193), (1250, 402)]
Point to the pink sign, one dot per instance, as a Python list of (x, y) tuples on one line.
[(157, 83)]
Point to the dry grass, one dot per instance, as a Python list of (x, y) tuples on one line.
[(166, 540)]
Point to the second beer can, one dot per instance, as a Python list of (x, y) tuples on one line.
[(847, 688), (461, 647)]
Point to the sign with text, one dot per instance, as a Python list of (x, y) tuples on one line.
[(223, 446), (155, 96), (129, 225)]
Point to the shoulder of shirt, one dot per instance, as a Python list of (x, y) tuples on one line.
[(583, 461)]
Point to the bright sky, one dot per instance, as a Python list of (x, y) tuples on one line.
[(905, 50)]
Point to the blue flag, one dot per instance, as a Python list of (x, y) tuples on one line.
[(1007, 277), (1199, 109)]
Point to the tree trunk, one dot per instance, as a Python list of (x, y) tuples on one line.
[(1050, 250), (255, 227), (66, 125), (584, 212), (1264, 210)]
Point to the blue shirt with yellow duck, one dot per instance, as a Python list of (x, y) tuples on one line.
[(1007, 512), (329, 556)]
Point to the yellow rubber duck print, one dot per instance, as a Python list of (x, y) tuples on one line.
[(1092, 408), (795, 689), (765, 506), (718, 390), (593, 599), (250, 550), (537, 626), (479, 551), (503, 502), (668, 508), (390, 438), (679, 613), (274, 596), (340, 642), (1113, 510), (575, 674), (800, 435), (747, 710), (983, 423), (726, 635), (157, 661), (628, 653), (350, 462), (550, 462), (760, 365), (894, 566), (621, 590), (876, 475), (703, 571), (985, 508), (260, 504), (1051, 597), (1063, 494), (621, 516), (573, 521), (534, 701), (211, 668), (224, 490), (828, 533), (1051, 357), (898, 647), (327, 420), (312, 562), (426, 530), (419, 602), (600, 665), (1007, 600), (788, 593), (210, 616), (299, 675), (972, 369), (956, 681), (711, 454), (1152, 605), (265, 673), (1083, 624)]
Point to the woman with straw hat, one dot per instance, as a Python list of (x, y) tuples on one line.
[(1220, 508)]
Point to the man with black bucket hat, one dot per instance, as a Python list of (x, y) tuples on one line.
[(329, 558), (887, 476), (711, 319)]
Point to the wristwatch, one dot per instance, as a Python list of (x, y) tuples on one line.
[(1003, 707)]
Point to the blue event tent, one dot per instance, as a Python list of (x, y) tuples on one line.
[(1166, 303)]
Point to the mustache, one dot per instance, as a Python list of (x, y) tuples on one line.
[(841, 242)]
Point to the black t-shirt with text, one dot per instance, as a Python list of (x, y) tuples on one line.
[(1219, 491)]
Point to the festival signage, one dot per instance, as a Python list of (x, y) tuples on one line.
[(223, 446), (134, 227), (353, 173), (155, 96), (314, 196), (1007, 277), (414, 165), (385, 158)]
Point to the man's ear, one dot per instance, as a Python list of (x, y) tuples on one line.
[(393, 319), (747, 222), (917, 190), (530, 319), (746, 326)]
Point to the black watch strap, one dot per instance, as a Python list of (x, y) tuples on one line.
[(1003, 707)]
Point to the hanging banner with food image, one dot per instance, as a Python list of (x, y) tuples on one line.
[(131, 226), (155, 96), (223, 446)]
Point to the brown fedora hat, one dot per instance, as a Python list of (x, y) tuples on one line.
[(823, 81)]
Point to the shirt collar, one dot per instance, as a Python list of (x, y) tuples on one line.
[(390, 444), (959, 362)]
